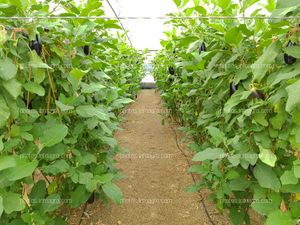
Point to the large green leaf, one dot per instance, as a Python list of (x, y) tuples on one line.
[(234, 36), (264, 62), (22, 169), (90, 111), (1, 206), (7, 162), (4, 111), (266, 177), (217, 136), (293, 51), (267, 156), (8, 69), (60, 166), (51, 203), (209, 154), (79, 196), (12, 202), (279, 218), (288, 177), (113, 192), (36, 62), (34, 88), (293, 98), (54, 134), (13, 87)]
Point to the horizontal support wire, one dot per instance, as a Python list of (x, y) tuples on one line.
[(153, 18)]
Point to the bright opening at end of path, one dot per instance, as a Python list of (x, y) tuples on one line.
[(144, 34)]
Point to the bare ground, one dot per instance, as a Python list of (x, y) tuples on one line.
[(154, 189)]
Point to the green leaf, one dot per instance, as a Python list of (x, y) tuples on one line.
[(177, 2), (119, 103), (260, 119), (267, 156), (79, 196), (7, 162), (296, 171), (36, 62), (22, 169), (234, 36), (266, 177), (235, 99), (77, 74), (293, 51), (85, 178), (63, 107), (224, 3), (13, 87), (239, 184), (4, 112), (293, 98), (59, 166), (288, 177), (88, 111), (264, 62), (51, 203), (12, 202), (54, 134), (8, 69), (283, 7), (1, 206), (34, 88), (196, 2), (91, 88), (1, 142), (218, 137), (113, 192), (39, 191), (279, 218), (209, 154)]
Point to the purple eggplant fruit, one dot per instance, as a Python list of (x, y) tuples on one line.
[(251, 170), (171, 70), (86, 50), (233, 88), (36, 45), (202, 48), (289, 60), (91, 198), (258, 94)]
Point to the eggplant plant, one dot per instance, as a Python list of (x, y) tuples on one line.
[(59, 108), (246, 144)]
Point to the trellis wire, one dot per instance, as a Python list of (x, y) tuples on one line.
[(154, 18)]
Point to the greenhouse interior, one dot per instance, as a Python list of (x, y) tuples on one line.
[(149, 112)]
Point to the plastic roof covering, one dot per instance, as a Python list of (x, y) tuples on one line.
[(142, 33), (148, 33)]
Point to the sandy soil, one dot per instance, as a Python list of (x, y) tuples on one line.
[(154, 189)]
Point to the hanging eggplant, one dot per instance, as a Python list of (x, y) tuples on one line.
[(251, 170), (86, 50), (170, 79), (233, 88), (289, 60), (258, 94), (36, 45), (202, 48), (91, 198), (171, 70)]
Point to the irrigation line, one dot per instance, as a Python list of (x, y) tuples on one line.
[(194, 180), (83, 212), (119, 22), (152, 18)]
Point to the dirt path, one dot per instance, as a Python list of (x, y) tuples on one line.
[(154, 190)]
